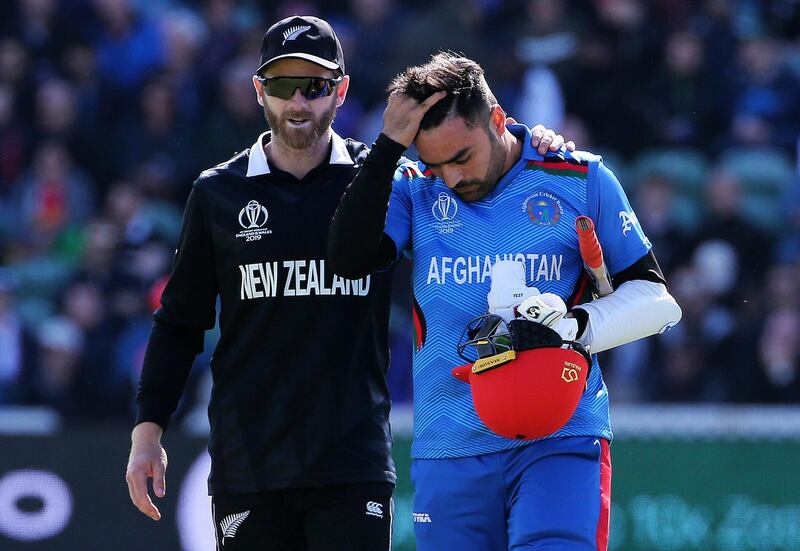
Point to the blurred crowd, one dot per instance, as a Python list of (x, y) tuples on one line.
[(110, 108)]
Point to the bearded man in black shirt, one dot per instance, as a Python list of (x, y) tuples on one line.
[(300, 442)]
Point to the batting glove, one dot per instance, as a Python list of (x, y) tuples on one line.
[(549, 310), (508, 288)]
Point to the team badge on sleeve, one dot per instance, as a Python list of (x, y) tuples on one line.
[(628, 220)]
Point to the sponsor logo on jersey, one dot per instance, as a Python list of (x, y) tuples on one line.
[(543, 209), (628, 220), (374, 509), (252, 219), (444, 210), (421, 517)]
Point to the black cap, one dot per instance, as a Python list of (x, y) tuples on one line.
[(302, 37)]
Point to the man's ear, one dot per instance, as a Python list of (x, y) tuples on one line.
[(341, 90), (259, 91), (497, 120)]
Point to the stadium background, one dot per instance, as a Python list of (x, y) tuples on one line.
[(110, 108)]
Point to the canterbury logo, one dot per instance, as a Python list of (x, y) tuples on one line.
[(375, 509), (293, 32), (230, 524)]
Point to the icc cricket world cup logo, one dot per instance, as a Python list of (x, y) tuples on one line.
[(254, 215), (445, 208)]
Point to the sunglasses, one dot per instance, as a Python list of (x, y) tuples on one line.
[(311, 87)]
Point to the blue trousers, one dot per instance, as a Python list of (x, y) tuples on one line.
[(552, 495)]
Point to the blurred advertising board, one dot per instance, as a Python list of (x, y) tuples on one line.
[(64, 489)]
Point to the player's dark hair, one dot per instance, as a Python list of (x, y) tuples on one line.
[(468, 95)]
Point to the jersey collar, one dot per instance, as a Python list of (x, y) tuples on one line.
[(529, 152), (523, 133), (257, 164)]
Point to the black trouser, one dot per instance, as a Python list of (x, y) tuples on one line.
[(350, 517)]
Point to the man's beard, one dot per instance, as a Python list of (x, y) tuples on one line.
[(475, 190), (299, 138)]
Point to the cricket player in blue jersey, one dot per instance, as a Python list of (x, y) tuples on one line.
[(478, 195)]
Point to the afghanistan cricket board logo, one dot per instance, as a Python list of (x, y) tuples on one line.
[(252, 218), (543, 209), (444, 210)]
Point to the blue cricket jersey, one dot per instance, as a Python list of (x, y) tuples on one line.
[(529, 216)]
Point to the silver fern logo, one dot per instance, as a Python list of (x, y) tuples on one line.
[(293, 32), (230, 524)]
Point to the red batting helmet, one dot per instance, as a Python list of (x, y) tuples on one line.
[(526, 381)]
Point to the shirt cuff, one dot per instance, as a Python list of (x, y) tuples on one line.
[(386, 151)]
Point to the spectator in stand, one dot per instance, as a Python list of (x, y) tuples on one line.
[(725, 220), (56, 119), (13, 142), (684, 110), (184, 33), (779, 357), (17, 344), (766, 109), (655, 203), (52, 197), (102, 394), (224, 22), (59, 353), (233, 119), (130, 40), (157, 133), (42, 30), (17, 75)]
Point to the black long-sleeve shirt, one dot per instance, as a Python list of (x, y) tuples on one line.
[(300, 396), (358, 244)]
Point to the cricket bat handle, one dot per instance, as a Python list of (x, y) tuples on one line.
[(592, 255)]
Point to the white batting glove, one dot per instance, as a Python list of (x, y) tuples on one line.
[(508, 288), (549, 310)]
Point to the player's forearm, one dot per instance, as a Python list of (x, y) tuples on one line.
[(357, 244), (168, 359), (635, 310)]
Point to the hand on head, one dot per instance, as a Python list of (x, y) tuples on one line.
[(403, 115)]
